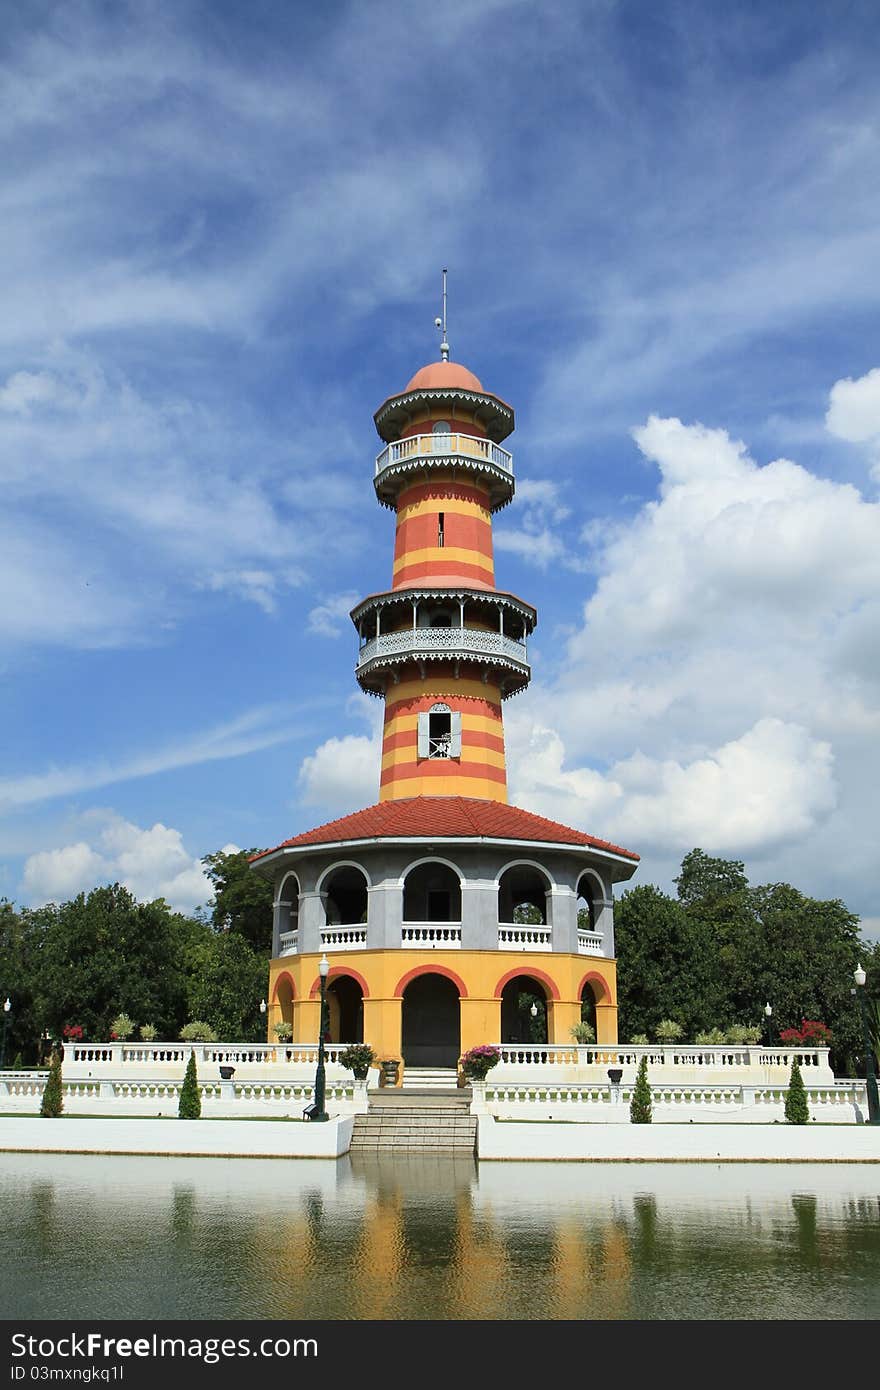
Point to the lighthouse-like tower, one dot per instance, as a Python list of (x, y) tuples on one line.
[(449, 917)]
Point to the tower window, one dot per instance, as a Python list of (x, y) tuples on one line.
[(441, 442), (440, 733), (440, 523)]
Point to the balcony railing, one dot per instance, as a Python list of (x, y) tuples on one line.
[(289, 943), (513, 937), (343, 938), (441, 446), (432, 935), (589, 943), (431, 642)]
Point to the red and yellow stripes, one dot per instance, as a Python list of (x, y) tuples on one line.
[(480, 770), (444, 535)]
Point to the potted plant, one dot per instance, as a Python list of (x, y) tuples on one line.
[(479, 1061), (357, 1057), (583, 1032), (283, 1031), (122, 1028)]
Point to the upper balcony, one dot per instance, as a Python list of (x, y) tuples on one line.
[(389, 649), (420, 451)]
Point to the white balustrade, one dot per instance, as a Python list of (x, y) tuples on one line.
[(431, 641), (514, 937), (343, 938), (289, 943), (446, 935), (433, 447), (589, 943)]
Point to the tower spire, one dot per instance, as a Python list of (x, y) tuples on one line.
[(441, 324)]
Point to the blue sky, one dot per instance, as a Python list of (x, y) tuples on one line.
[(222, 234)]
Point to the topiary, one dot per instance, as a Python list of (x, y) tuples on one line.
[(640, 1105), (190, 1106), (52, 1103), (797, 1111)]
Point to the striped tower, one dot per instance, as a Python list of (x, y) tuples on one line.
[(443, 646)]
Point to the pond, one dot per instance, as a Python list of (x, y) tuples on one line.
[(420, 1238)]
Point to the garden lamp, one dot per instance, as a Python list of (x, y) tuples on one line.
[(317, 1111), (870, 1071)]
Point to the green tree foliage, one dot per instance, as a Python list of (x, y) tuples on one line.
[(103, 953), (19, 966), (190, 1103), (706, 880), (242, 898), (52, 1102), (640, 1104), (666, 965), (797, 1111), (227, 989)]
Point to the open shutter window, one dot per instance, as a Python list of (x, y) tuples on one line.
[(455, 740), (423, 734)]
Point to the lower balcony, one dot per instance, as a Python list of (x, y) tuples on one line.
[(445, 936)]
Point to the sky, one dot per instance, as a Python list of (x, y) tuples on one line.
[(222, 234)]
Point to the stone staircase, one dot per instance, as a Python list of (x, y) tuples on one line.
[(430, 1079), (416, 1122)]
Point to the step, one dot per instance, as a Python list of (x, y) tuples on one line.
[(430, 1078)]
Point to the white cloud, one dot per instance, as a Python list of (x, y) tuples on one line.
[(539, 539), (330, 618), (854, 409), (151, 863), (342, 775)]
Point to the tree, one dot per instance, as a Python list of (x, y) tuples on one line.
[(703, 879), (190, 1104), (640, 1105), (797, 1112), (227, 988), (242, 898), (52, 1102), (667, 965)]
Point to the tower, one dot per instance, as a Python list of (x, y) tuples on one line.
[(450, 918)]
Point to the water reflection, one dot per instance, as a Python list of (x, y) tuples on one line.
[(381, 1238)]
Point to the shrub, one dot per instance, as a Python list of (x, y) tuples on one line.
[(122, 1027), (712, 1038), (190, 1105), (477, 1063), (640, 1105), (639, 1039), (52, 1103), (148, 1032), (740, 1033), (73, 1033), (583, 1032), (668, 1031), (198, 1031), (811, 1033), (357, 1057), (797, 1112), (283, 1031)]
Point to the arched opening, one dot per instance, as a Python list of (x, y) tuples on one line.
[(588, 1007), (524, 1011), (344, 893), (590, 898), (522, 896), (284, 1002), (345, 1003), (287, 901), (431, 1024), (432, 893)]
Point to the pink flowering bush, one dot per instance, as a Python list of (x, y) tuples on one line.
[(73, 1032), (479, 1061), (811, 1033)]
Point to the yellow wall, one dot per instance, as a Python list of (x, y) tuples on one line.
[(480, 972)]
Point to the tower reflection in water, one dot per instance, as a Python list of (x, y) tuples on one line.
[(385, 1238)]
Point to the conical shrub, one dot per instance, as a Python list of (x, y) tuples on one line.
[(52, 1103), (640, 1105), (190, 1106), (797, 1112)]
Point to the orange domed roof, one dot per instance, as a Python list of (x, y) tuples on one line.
[(438, 375)]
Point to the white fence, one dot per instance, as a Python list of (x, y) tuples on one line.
[(21, 1093)]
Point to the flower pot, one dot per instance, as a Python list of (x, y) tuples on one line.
[(227, 1073)]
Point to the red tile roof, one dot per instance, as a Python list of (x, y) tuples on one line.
[(438, 817)]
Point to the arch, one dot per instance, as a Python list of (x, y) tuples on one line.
[(333, 973), (342, 864), (602, 995), (345, 1008), (287, 911), (522, 994), (344, 889), (535, 974), (430, 1021), (590, 901), (431, 969), (283, 996), (286, 978), (290, 873), (431, 893), (530, 864), (430, 859), (524, 890)]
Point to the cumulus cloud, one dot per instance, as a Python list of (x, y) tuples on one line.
[(151, 863), (330, 617), (539, 539), (342, 774), (854, 414)]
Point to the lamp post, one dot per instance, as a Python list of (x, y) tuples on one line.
[(870, 1072), (768, 1014), (7, 1010), (317, 1111)]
